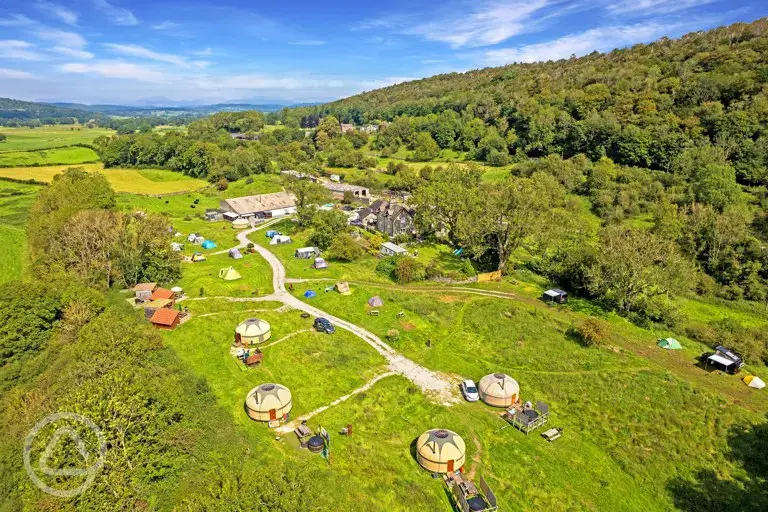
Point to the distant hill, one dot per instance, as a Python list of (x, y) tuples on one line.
[(45, 112)]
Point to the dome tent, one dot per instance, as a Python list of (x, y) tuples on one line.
[(229, 274), (498, 390), (310, 294), (268, 402), (209, 244), (754, 382), (375, 302), (669, 344), (440, 451), (252, 331)]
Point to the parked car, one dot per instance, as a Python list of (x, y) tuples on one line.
[(323, 325), (469, 390)]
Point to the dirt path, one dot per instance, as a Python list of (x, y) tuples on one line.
[(288, 427), (287, 336), (432, 383), (475, 458)]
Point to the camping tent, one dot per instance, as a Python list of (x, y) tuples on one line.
[(176, 246), (670, 344), (280, 239), (320, 263), (195, 238), (209, 244), (240, 223), (375, 302), (235, 254), (306, 252), (177, 290), (229, 274), (252, 331), (272, 233), (754, 382), (198, 256), (309, 294), (343, 288)]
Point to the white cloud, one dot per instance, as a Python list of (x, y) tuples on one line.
[(117, 15), (17, 20), (16, 74), (19, 50), (653, 7), (62, 38), (207, 52), (58, 11), (600, 39), (201, 64), (165, 25), (71, 52), (134, 50), (309, 42), (115, 69)]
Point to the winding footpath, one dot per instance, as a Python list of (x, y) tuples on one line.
[(434, 384)]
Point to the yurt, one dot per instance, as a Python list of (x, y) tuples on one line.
[(498, 390), (754, 382), (252, 331), (269, 402), (240, 223), (440, 451)]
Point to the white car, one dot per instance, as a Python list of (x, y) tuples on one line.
[(469, 390)]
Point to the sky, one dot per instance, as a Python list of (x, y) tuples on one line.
[(161, 52)]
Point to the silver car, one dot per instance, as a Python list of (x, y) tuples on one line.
[(469, 390)]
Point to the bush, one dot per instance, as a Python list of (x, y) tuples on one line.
[(386, 267), (222, 184), (593, 331), (393, 334), (468, 269), (408, 270), (345, 248), (249, 180)]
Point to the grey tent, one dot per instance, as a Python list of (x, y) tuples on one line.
[(235, 254), (375, 302)]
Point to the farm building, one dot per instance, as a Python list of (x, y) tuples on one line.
[(338, 189), (235, 254), (555, 295), (240, 223), (144, 291), (151, 307), (306, 253), (162, 293), (498, 390), (725, 359), (390, 249), (440, 451), (269, 402), (345, 128), (214, 214), (252, 332), (165, 318), (264, 206)]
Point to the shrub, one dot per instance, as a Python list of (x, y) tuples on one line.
[(345, 248), (222, 184), (202, 291), (249, 180), (393, 334), (408, 270), (593, 331), (386, 267), (468, 269)]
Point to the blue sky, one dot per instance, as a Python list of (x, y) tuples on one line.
[(140, 51)]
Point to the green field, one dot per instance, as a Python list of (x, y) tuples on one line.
[(15, 200), (46, 137), (68, 156), (122, 180)]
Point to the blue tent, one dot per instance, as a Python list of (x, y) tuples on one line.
[(309, 294), (272, 233), (209, 244)]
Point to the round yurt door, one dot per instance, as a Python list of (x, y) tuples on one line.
[(450, 466), (272, 414), (238, 339)]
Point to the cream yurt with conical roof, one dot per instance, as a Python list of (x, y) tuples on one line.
[(252, 332), (240, 223), (440, 451), (268, 402), (498, 390)]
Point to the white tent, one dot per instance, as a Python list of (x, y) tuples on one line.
[(754, 382), (280, 239)]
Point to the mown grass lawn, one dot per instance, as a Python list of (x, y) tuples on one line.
[(122, 180), (15, 200), (256, 280), (66, 156), (46, 137)]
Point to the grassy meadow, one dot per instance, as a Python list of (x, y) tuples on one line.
[(133, 181), (15, 200), (47, 137), (70, 156)]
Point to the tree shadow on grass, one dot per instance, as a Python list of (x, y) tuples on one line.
[(749, 447)]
